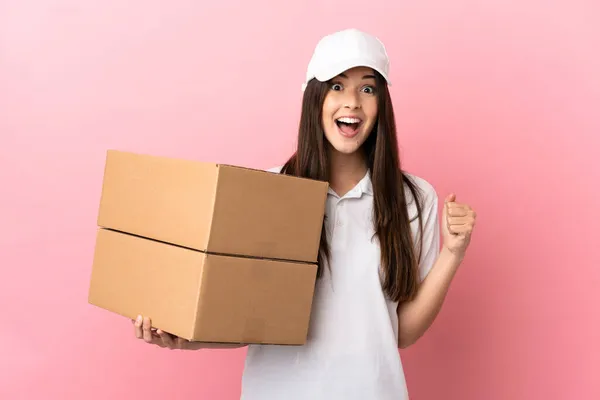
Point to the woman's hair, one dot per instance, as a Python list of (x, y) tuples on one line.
[(399, 263)]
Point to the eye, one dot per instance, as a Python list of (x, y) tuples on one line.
[(369, 89), (336, 86)]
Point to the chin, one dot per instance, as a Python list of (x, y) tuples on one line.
[(346, 145), (346, 148)]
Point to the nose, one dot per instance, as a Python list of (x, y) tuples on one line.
[(351, 100)]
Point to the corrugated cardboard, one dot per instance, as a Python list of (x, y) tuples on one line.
[(209, 252), (213, 207), (199, 296)]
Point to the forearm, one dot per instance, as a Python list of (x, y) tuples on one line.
[(416, 316)]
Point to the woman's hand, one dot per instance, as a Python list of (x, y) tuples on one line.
[(144, 331), (457, 226)]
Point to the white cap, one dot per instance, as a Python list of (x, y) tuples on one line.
[(342, 50)]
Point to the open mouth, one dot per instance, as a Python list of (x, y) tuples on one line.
[(348, 126)]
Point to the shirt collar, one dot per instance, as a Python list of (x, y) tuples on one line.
[(364, 186)]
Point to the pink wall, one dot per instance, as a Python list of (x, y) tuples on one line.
[(498, 101)]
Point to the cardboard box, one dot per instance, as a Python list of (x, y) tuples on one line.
[(213, 207), (210, 252), (202, 297)]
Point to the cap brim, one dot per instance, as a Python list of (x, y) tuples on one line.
[(345, 65)]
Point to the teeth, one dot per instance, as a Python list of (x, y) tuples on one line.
[(347, 120)]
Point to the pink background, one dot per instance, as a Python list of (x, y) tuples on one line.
[(498, 101)]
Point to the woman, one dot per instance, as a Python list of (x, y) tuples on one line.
[(382, 275)]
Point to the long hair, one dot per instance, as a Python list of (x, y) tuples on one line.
[(399, 259)]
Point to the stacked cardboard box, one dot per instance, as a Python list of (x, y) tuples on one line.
[(210, 252)]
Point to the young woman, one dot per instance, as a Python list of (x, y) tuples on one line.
[(383, 274)]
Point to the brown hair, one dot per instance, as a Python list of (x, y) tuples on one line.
[(399, 262)]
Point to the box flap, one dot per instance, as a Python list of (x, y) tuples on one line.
[(244, 300), (167, 199), (133, 275), (269, 215)]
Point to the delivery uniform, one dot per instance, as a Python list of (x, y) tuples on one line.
[(352, 347)]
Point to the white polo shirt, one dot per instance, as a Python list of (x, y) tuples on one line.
[(351, 352)]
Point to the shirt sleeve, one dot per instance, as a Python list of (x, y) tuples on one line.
[(430, 245)]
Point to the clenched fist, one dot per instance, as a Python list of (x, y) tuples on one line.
[(457, 225)]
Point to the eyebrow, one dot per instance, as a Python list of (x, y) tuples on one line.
[(364, 77)]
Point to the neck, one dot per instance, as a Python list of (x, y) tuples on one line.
[(346, 170)]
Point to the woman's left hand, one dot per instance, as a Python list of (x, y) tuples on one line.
[(457, 225)]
